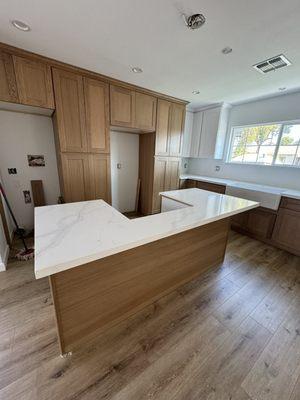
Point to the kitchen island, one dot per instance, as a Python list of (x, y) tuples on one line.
[(104, 267)]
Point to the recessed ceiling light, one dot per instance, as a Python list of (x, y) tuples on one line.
[(136, 70), (196, 91), (20, 25), (227, 50), (282, 89)]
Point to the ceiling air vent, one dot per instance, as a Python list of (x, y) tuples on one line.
[(272, 64)]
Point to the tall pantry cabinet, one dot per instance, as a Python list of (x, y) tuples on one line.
[(160, 155), (81, 122)]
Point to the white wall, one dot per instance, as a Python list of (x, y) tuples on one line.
[(280, 108), (20, 135), (124, 148)]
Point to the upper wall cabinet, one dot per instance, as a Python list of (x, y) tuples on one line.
[(82, 113), (96, 94), (8, 84), (169, 130), (70, 111), (205, 133), (145, 112), (130, 109), (176, 129), (122, 106), (162, 128), (34, 82)]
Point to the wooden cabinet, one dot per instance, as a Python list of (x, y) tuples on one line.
[(99, 172), (145, 112), (212, 187), (166, 177), (85, 177), (122, 106), (162, 128), (8, 84), (96, 94), (260, 222), (176, 129), (75, 177), (286, 233), (34, 82), (172, 174), (70, 111), (169, 130), (82, 111), (131, 109)]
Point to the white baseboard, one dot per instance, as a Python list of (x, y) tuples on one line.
[(3, 264)]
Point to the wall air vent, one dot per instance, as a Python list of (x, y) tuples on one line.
[(272, 64)]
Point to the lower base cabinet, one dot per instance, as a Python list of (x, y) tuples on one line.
[(85, 177), (280, 228), (286, 233)]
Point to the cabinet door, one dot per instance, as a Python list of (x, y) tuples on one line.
[(75, 177), (160, 167), (100, 187), (8, 85), (145, 112), (209, 131), (176, 129), (172, 174), (70, 110), (122, 106), (260, 223), (196, 134), (96, 94), (187, 134), (162, 128), (34, 82), (286, 231)]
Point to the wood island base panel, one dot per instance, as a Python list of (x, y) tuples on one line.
[(92, 297)]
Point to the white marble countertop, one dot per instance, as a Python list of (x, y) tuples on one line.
[(247, 185), (69, 235)]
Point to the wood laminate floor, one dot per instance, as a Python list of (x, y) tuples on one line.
[(233, 334)]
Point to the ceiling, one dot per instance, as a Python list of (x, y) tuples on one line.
[(111, 36)]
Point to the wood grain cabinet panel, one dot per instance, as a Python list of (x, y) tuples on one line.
[(122, 106), (160, 170), (162, 127), (76, 177), (8, 84), (96, 94), (286, 231), (34, 82), (145, 112), (176, 129), (70, 110), (172, 174), (260, 222), (99, 175)]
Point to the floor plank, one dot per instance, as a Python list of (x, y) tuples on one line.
[(207, 340)]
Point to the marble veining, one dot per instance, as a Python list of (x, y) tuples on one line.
[(73, 234)]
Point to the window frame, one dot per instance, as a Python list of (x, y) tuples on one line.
[(282, 123)]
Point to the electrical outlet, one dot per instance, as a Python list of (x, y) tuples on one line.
[(12, 171), (119, 165), (217, 168)]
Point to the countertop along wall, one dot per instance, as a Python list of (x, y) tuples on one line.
[(22, 134), (280, 108)]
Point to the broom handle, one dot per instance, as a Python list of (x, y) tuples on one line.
[(12, 215)]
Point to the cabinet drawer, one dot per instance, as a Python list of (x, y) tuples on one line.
[(290, 204)]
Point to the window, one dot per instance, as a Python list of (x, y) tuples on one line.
[(271, 144)]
